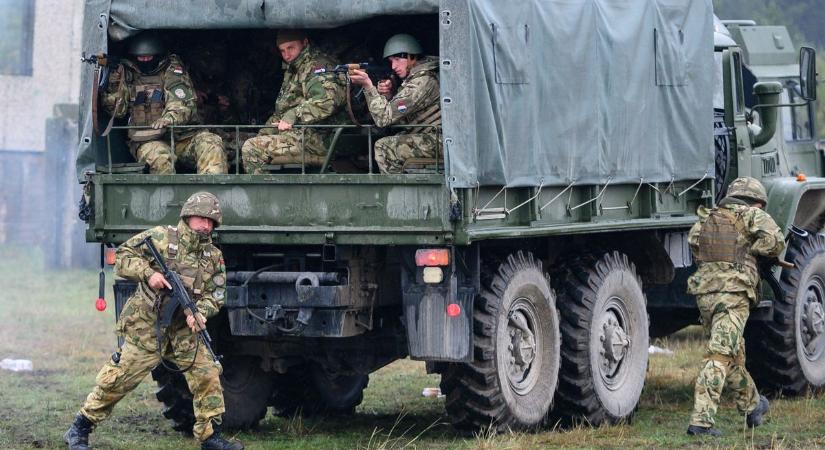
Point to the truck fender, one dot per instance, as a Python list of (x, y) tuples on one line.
[(799, 203)]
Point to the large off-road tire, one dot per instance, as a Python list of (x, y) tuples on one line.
[(246, 391), (310, 390), (174, 393), (786, 354), (604, 340), (510, 384)]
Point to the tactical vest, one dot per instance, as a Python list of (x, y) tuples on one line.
[(146, 102), (719, 239), (192, 277)]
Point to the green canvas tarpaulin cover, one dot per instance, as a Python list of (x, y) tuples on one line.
[(533, 92)]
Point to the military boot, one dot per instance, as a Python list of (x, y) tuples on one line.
[(77, 436), (695, 430), (217, 442), (756, 417)]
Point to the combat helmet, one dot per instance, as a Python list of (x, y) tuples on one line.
[(402, 43), (146, 44), (747, 188), (203, 204)]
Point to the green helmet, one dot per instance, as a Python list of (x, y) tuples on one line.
[(146, 44), (747, 188), (203, 204), (402, 43)]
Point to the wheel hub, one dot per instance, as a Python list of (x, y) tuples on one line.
[(521, 348), (813, 322), (614, 343)]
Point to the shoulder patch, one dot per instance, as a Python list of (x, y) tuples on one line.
[(402, 107), (177, 70), (180, 93)]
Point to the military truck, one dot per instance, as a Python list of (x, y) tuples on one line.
[(530, 262)]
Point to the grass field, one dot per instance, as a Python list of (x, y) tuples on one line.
[(49, 318)]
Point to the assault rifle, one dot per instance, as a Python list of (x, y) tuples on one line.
[(376, 73), (766, 273), (104, 64), (356, 101), (178, 298)]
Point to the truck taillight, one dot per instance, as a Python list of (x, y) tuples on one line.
[(429, 257), (109, 255)]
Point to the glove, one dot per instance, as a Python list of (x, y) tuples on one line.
[(161, 123)]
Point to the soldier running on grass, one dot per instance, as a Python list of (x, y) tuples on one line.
[(726, 242)]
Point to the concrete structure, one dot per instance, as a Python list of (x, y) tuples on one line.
[(38, 134), (29, 100)]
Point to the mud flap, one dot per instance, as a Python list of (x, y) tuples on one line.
[(431, 333)]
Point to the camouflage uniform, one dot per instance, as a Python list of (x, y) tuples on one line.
[(416, 102), (305, 99), (167, 94), (201, 267), (725, 291)]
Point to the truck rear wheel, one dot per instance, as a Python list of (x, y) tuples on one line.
[(246, 389), (604, 340), (786, 354), (311, 390), (510, 384), (174, 393)]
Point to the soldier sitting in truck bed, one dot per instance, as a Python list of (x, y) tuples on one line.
[(155, 91), (304, 99), (416, 102)]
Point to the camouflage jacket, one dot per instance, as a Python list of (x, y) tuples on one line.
[(179, 99), (306, 98), (196, 259), (417, 101), (764, 239)]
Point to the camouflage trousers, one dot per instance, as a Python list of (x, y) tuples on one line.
[(285, 146), (392, 151), (724, 315), (115, 380), (204, 151)]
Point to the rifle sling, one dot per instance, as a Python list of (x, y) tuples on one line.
[(349, 104)]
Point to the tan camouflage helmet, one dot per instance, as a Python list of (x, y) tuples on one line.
[(203, 204), (747, 188)]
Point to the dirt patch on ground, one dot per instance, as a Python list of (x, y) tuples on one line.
[(142, 422), (40, 379)]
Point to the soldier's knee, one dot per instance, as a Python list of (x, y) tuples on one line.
[(158, 156)]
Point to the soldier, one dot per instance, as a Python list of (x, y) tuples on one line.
[(305, 98), (726, 242), (155, 90), (416, 102), (188, 250)]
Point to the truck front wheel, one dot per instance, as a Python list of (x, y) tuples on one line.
[(510, 384), (604, 340), (786, 354)]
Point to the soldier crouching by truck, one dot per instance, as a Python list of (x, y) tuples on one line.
[(417, 102), (189, 251), (726, 243), (155, 91)]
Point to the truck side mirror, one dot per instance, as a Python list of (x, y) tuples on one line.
[(807, 73)]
